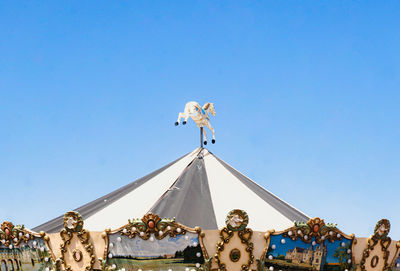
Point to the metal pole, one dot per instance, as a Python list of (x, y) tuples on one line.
[(201, 137)]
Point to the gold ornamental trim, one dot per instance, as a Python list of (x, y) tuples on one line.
[(380, 236), (13, 235), (73, 225), (236, 221)]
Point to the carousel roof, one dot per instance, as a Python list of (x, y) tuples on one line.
[(198, 189)]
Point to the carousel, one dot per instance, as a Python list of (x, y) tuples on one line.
[(196, 213)]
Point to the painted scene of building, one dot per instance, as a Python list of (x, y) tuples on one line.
[(287, 254), (30, 256), (180, 253)]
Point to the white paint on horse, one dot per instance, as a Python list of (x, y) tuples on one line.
[(199, 115)]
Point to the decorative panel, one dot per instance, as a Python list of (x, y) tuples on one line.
[(77, 250), (376, 255), (235, 248), (309, 246), (152, 243), (21, 249)]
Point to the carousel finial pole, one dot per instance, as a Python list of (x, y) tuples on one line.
[(200, 116), (201, 137)]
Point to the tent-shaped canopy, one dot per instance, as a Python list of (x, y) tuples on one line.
[(198, 189)]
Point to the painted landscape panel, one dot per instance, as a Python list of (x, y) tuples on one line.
[(180, 253), (287, 254), (30, 256)]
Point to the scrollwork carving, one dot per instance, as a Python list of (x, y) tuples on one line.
[(152, 224), (11, 235), (380, 236), (316, 228), (73, 224), (236, 221)]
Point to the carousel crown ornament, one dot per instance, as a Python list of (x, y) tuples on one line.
[(200, 115)]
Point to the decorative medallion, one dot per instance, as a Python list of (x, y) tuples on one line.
[(73, 226), (380, 236), (73, 222), (236, 221), (77, 255), (382, 229), (234, 255)]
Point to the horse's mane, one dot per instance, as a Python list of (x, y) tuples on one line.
[(206, 106)]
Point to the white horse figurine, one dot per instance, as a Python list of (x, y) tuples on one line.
[(200, 116)]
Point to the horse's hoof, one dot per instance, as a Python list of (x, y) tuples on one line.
[(176, 123), (184, 122), (205, 142), (213, 141)]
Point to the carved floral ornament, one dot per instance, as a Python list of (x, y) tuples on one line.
[(152, 225), (236, 221), (73, 222), (380, 236), (73, 226), (11, 235), (316, 228)]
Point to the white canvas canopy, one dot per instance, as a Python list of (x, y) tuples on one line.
[(198, 189)]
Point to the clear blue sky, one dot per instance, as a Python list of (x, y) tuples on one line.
[(306, 94)]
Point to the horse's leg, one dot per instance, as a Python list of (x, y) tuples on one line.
[(205, 136), (186, 118), (212, 131), (188, 111), (181, 115)]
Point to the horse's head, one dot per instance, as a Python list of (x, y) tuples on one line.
[(210, 108)]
